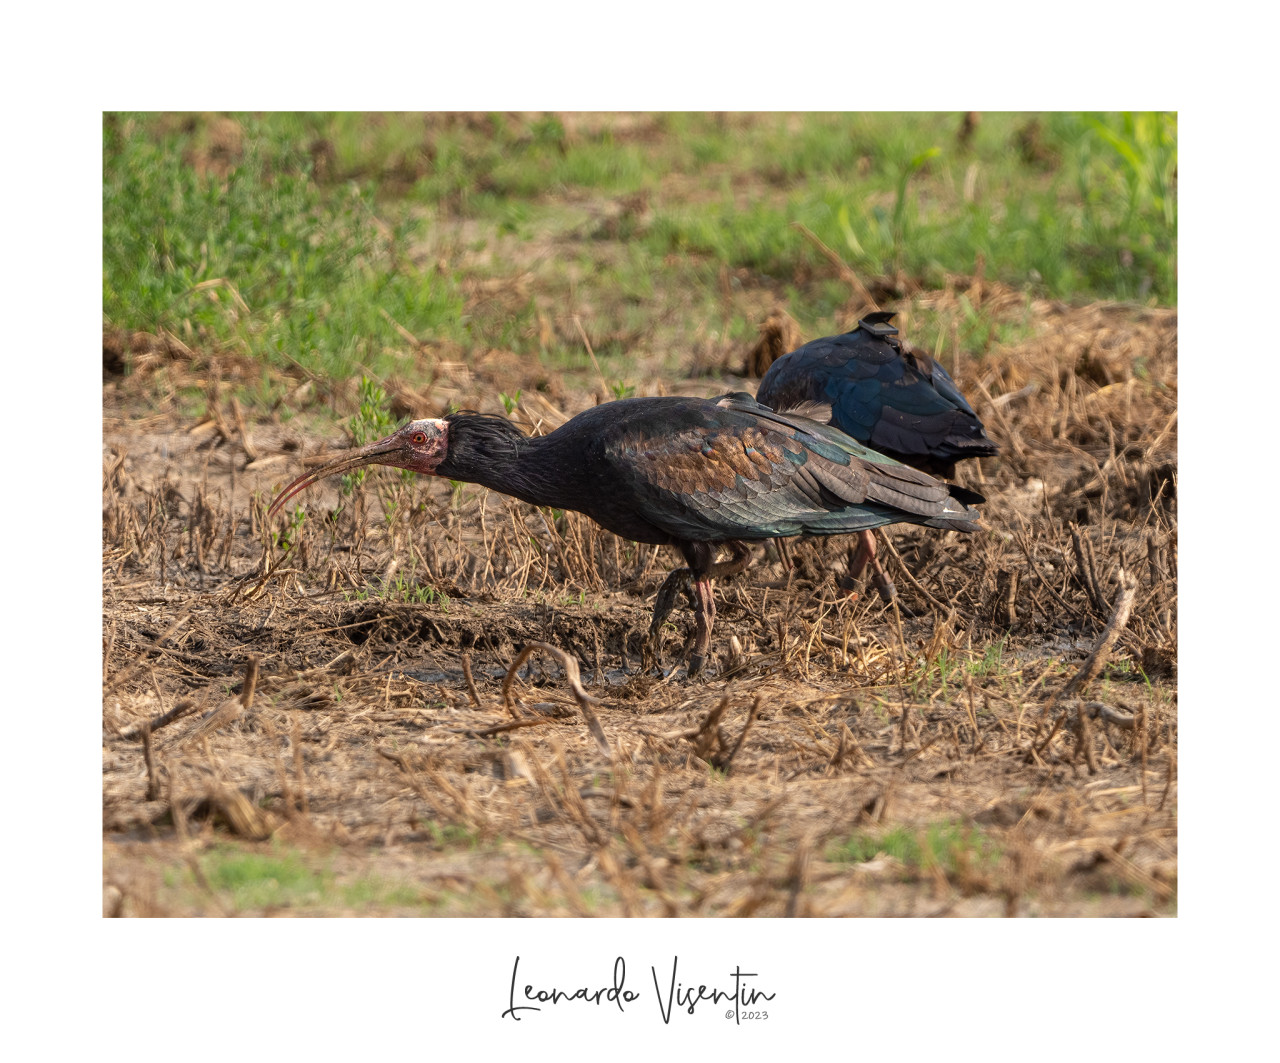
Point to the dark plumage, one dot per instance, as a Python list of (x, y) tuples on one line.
[(692, 473), (896, 400), (879, 391)]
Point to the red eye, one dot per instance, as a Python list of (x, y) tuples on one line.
[(419, 438)]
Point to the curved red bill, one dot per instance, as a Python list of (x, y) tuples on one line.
[(373, 454)]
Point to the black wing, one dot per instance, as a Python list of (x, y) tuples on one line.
[(899, 401), (733, 469)]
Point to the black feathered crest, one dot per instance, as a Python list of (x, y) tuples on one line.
[(479, 428)]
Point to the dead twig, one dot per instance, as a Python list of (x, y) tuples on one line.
[(230, 710), (1013, 396), (472, 693), (153, 783), (1133, 874), (157, 646), (1025, 547), (502, 728), (1011, 598), (570, 666), (1093, 665), (1084, 741), (1035, 750), (798, 878), (250, 683), (724, 760), (223, 716), (1087, 575), (295, 738), (180, 710), (582, 332), (906, 572), (250, 451), (846, 272), (1110, 635), (707, 734), (235, 810), (1100, 710)]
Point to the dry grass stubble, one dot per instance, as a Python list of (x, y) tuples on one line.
[(312, 709)]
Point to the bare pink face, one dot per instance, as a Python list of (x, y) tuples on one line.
[(419, 446)]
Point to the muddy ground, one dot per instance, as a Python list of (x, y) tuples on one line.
[(842, 758)]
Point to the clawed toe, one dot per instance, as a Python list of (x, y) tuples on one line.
[(884, 584)]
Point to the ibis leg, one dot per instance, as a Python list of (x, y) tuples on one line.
[(866, 554), (704, 602), (697, 584), (784, 552), (679, 580), (704, 615)]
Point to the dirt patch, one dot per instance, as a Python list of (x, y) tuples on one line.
[(842, 758)]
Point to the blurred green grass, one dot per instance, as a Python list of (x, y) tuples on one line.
[(262, 258), (324, 240)]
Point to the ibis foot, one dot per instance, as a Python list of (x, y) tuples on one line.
[(696, 584), (866, 555), (883, 583)]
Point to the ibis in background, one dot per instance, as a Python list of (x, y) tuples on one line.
[(894, 399), (696, 474)]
